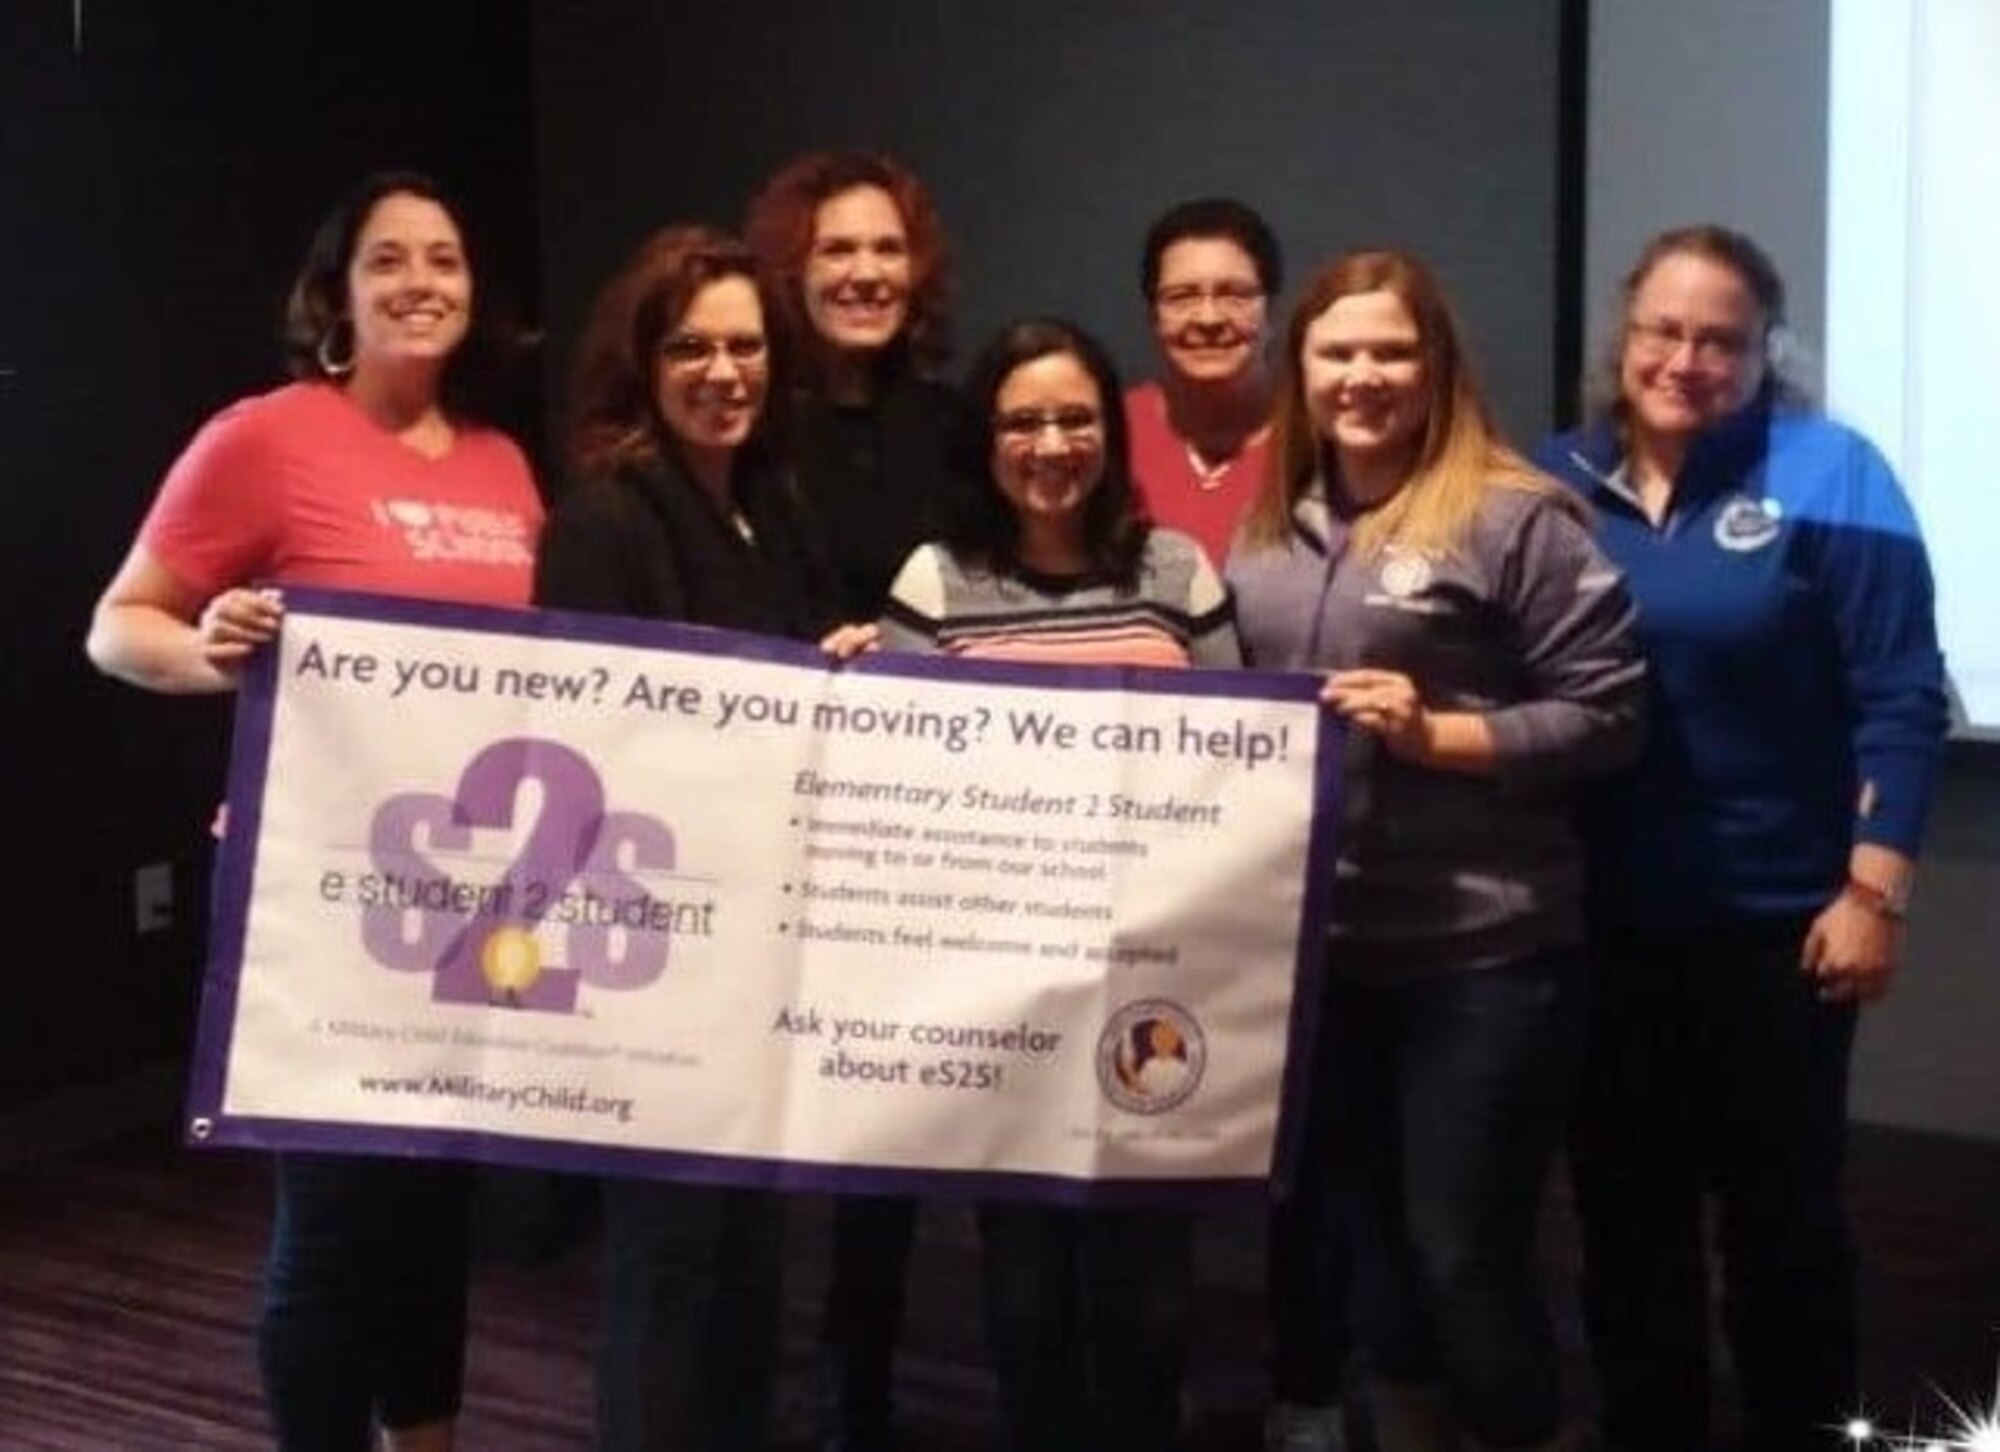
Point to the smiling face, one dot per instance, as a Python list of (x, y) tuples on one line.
[(1209, 309), (713, 369), (857, 274), (1694, 347), (1362, 369), (409, 288), (1048, 442)]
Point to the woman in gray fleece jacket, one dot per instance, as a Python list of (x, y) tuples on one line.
[(1479, 649)]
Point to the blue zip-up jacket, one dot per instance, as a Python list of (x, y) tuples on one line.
[(1785, 608)]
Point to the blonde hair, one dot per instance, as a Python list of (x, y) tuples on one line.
[(1460, 455)]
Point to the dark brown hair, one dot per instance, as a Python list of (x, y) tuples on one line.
[(613, 420), (1208, 218), (982, 525), (317, 308)]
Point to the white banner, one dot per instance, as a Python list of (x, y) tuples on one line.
[(565, 890)]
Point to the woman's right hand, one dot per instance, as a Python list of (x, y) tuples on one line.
[(235, 623), (844, 642), (154, 630)]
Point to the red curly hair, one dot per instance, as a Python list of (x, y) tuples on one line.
[(779, 229)]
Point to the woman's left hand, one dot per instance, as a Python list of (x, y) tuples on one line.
[(1852, 950), (1384, 703), (844, 642)]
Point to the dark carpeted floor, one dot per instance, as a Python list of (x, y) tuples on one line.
[(128, 1279)]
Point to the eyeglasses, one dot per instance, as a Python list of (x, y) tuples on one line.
[(1025, 425), (697, 353), (1231, 299), (1660, 338)]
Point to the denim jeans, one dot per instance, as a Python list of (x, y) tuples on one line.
[(363, 1321), (1087, 1314), (1445, 1100), (687, 1354), (1713, 1068), (873, 1236)]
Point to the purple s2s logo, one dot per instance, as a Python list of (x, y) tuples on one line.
[(477, 936)]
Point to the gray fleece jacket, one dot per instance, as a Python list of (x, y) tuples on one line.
[(1525, 622)]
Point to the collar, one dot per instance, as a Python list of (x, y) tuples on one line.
[(1718, 461), (667, 480), (1312, 518)]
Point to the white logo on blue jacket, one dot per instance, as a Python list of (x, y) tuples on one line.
[(1745, 524)]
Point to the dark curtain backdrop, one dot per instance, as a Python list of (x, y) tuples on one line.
[(162, 164)]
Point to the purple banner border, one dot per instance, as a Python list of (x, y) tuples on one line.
[(249, 765)]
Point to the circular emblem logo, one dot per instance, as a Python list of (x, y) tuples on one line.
[(1405, 573), (1747, 524), (1150, 1056)]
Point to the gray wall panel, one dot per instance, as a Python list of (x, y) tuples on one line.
[(1053, 131)]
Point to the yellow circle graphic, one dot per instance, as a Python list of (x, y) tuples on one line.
[(511, 959)]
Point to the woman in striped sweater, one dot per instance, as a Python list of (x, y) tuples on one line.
[(1049, 559)]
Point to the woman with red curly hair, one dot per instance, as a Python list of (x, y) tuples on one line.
[(863, 282)]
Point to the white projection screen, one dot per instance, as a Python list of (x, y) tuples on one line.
[(1913, 291)]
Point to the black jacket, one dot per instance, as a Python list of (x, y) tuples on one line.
[(876, 480), (647, 542)]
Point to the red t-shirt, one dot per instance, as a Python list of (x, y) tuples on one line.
[(1204, 503), (299, 487)]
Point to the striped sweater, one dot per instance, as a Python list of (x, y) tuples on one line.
[(1177, 613)]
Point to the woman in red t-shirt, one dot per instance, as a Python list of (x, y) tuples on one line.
[(368, 472)]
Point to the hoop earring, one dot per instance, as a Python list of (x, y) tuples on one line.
[(331, 366)]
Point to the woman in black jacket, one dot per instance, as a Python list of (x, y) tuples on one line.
[(681, 509), (863, 276)]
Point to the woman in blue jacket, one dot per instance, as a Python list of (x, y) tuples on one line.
[(1750, 875)]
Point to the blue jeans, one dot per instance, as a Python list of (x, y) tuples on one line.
[(1713, 1068), (687, 1356), (363, 1321), (1444, 1106), (1087, 1315)]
